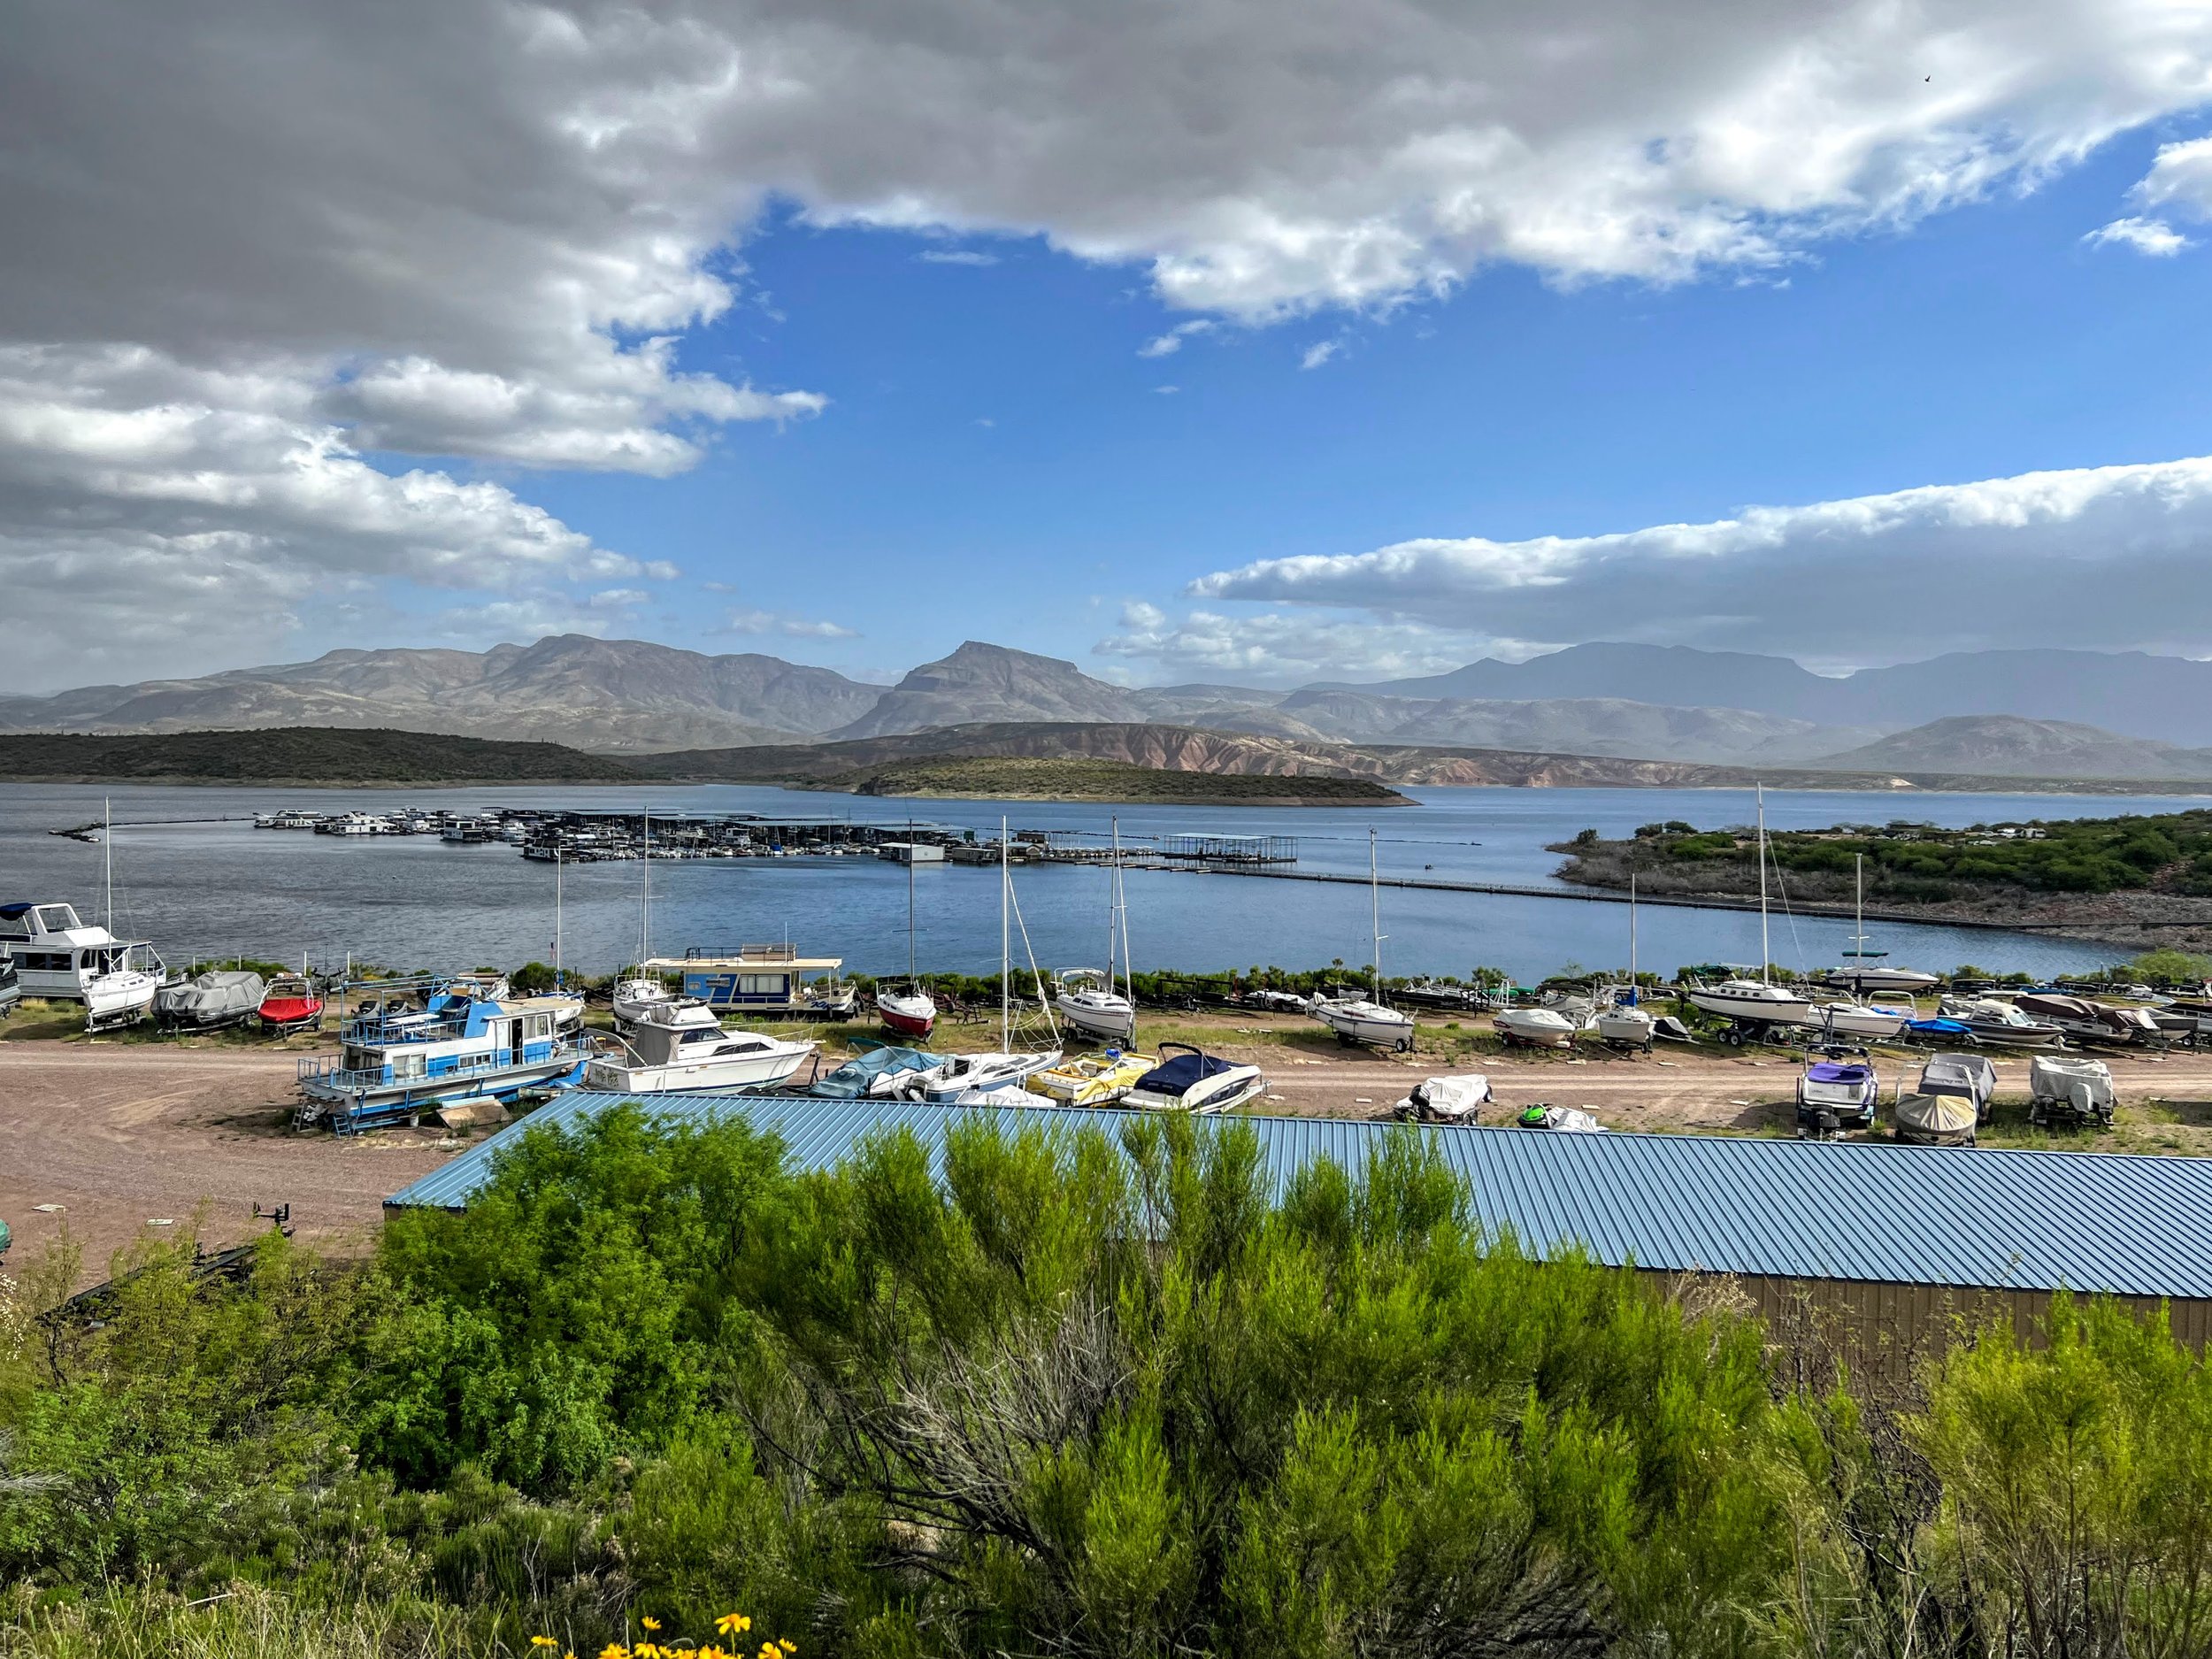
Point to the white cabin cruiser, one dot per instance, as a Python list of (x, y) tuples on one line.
[(58, 956), (966, 1074), (680, 1046), (2000, 1023), (1621, 1021), (1085, 999), (1194, 1081)]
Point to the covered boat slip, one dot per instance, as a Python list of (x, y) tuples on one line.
[(758, 979), (1884, 1246)]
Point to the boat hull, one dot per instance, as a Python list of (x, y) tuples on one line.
[(1517, 1026), (1105, 1019), (1202, 1102), (706, 1077), (1754, 1009), (1373, 1027), (909, 1016)]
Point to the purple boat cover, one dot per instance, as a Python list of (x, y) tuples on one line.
[(1831, 1071)]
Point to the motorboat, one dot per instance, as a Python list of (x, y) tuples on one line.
[(291, 1002), (1357, 1019), (10, 986), (1277, 1002), (1937, 1030), (396, 1060), (1567, 1119), (206, 1001), (1752, 1003), (1093, 1079), (680, 1047), (1194, 1081), (1087, 1003), (1866, 1021), (1446, 1100), (1946, 1107), (1622, 1022), (911, 1012), (1837, 1090), (1536, 1027), (2067, 1091), (972, 1073), (634, 999), (2000, 1023), (2089, 1022), (64, 959)]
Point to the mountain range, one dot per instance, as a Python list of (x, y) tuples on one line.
[(2026, 713)]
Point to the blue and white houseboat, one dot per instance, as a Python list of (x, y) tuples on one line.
[(396, 1062), (772, 980)]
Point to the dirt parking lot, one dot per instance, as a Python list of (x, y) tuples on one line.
[(110, 1137)]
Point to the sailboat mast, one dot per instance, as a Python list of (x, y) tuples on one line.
[(1633, 982), (645, 902), (556, 916), (1764, 952), (1113, 890), (909, 904), (1121, 903), (1374, 911), (1005, 947), (107, 854)]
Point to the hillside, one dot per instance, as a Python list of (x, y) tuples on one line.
[(1008, 778), (1187, 748), (981, 682), (2028, 748), (303, 755), (600, 694)]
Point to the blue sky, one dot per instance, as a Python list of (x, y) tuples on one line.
[(1439, 383)]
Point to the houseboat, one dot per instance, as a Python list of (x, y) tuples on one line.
[(397, 1060), (56, 955), (769, 979)]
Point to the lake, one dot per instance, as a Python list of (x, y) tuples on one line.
[(213, 889)]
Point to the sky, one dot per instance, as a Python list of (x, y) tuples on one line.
[(1341, 339)]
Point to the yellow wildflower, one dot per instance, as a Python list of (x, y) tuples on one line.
[(732, 1623), (544, 1641), (789, 1647), (650, 1624), (614, 1650)]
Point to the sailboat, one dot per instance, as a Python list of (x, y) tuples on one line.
[(1862, 970), (1623, 1022), (637, 997), (1755, 1001), (1369, 1020), (967, 1080), (1087, 998), (911, 1012)]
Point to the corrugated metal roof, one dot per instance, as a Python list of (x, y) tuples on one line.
[(1792, 1208)]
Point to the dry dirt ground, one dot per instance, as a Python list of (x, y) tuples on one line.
[(122, 1135)]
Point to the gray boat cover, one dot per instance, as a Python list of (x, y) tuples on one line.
[(208, 999), (854, 1080), (2083, 1085), (1446, 1100), (1935, 1119), (1968, 1076)]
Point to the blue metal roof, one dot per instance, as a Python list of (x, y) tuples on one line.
[(1874, 1211)]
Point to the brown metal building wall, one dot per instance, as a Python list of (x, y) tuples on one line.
[(1888, 1328)]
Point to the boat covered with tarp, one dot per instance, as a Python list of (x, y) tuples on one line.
[(222, 996)]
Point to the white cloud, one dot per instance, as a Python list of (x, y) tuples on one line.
[(2104, 557), (1288, 649), (1315, 356), (956, 256), (484, 229), (1168, 344), (790, 626), (2152, 236), (150, 514), (2180, 178), (1165, 391)]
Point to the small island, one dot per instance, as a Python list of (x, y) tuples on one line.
[(1023, 777), (2140, 879)]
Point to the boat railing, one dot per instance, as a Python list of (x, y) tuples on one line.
[(325, 1071), (743, 953)]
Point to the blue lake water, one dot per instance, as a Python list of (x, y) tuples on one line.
[(213, 889)]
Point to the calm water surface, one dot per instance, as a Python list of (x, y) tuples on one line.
[(210, 889)]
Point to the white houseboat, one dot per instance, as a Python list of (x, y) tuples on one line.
[(772, 979), (396, 1061), (56, 955)]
